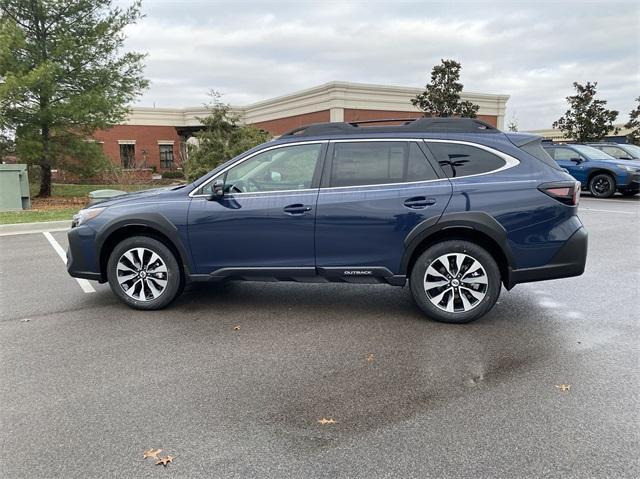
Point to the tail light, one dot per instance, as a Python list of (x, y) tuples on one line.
[(567, 192)]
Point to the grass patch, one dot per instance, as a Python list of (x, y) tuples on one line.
[(64, 190), (31, 216)]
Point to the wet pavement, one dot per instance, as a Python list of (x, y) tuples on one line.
[(233, 378)]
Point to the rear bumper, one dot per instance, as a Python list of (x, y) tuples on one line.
[(569, 261)]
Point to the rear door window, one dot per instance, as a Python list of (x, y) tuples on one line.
[(464, 160), (378, 162), (565, 154)]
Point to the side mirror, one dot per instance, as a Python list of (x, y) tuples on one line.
[(576, 160), (217, 190)]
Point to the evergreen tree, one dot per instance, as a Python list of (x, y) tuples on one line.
[(441, 97), (587, 118), (63, 76)]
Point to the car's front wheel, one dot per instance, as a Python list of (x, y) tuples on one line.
[(144, 273), (455, 281), (602, 185)]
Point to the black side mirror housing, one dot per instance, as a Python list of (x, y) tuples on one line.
[(577, 160), (217, 190)]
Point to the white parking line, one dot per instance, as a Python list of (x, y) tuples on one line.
[(608, 211), (84, 284), (609, 200)]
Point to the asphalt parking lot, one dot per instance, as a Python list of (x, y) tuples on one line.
[(89, 384)]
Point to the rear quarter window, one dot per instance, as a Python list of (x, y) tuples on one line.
[(464, 160)]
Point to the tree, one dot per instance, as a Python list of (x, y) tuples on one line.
[(62, 76), (441, 96), (587, 118), (7, 146), (512, 125), (634, 124), (221, 138)]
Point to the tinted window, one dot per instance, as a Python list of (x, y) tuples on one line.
[(380, 162), (463, 160), (565, 154), (534, 148), (286, 168), (615, 151)]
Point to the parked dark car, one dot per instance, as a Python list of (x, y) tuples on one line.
[(620, 151), (600, 174), (453, 206)]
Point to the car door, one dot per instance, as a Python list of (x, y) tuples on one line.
[(373, 194), (264, 221), (572, 161)]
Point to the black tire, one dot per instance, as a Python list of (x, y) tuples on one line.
[(172, 279), (480, 307), (602, 185)]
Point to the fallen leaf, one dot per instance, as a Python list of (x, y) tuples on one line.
[(325, 421), (152, 453), (564, 387), (236, 328), (370, 358), (165, 460)]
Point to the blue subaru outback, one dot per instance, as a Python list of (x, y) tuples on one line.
[(597, 171), (453, 206)]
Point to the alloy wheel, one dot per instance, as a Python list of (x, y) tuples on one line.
[(601, 185), (142, 274), (456, 282)]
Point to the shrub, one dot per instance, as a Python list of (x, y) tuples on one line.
[(172, 175)]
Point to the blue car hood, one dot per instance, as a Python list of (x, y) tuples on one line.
[(134, 196), (634, 163)]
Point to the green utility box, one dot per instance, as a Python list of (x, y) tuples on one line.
[(14, 188)]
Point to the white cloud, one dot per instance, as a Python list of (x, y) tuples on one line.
[(251, 51)]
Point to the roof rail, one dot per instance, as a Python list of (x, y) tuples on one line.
[(409, 125)]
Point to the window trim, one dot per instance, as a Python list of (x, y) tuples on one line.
[(510, 162), (323, 151)]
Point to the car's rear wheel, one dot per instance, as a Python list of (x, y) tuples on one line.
[(602, 185), (455, 281), (144, 273)]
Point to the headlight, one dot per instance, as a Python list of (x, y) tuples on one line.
[(85, 215), (630, 169)]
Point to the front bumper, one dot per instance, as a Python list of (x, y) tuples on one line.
[(569, 261), (82, 257)]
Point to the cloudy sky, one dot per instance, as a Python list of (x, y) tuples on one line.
[(251, 51)]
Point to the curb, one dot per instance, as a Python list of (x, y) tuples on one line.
[(37, 227)]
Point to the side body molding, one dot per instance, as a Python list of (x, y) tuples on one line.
[(472, 220), (156, 221)]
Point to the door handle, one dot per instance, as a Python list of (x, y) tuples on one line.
[(419, 202), (296, 209)]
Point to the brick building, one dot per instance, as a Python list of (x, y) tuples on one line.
[(155, 137)]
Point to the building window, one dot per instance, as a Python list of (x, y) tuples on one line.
[(166, 157), (128, 156)]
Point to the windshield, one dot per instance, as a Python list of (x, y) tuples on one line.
[(592, 153), (633, 149)]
